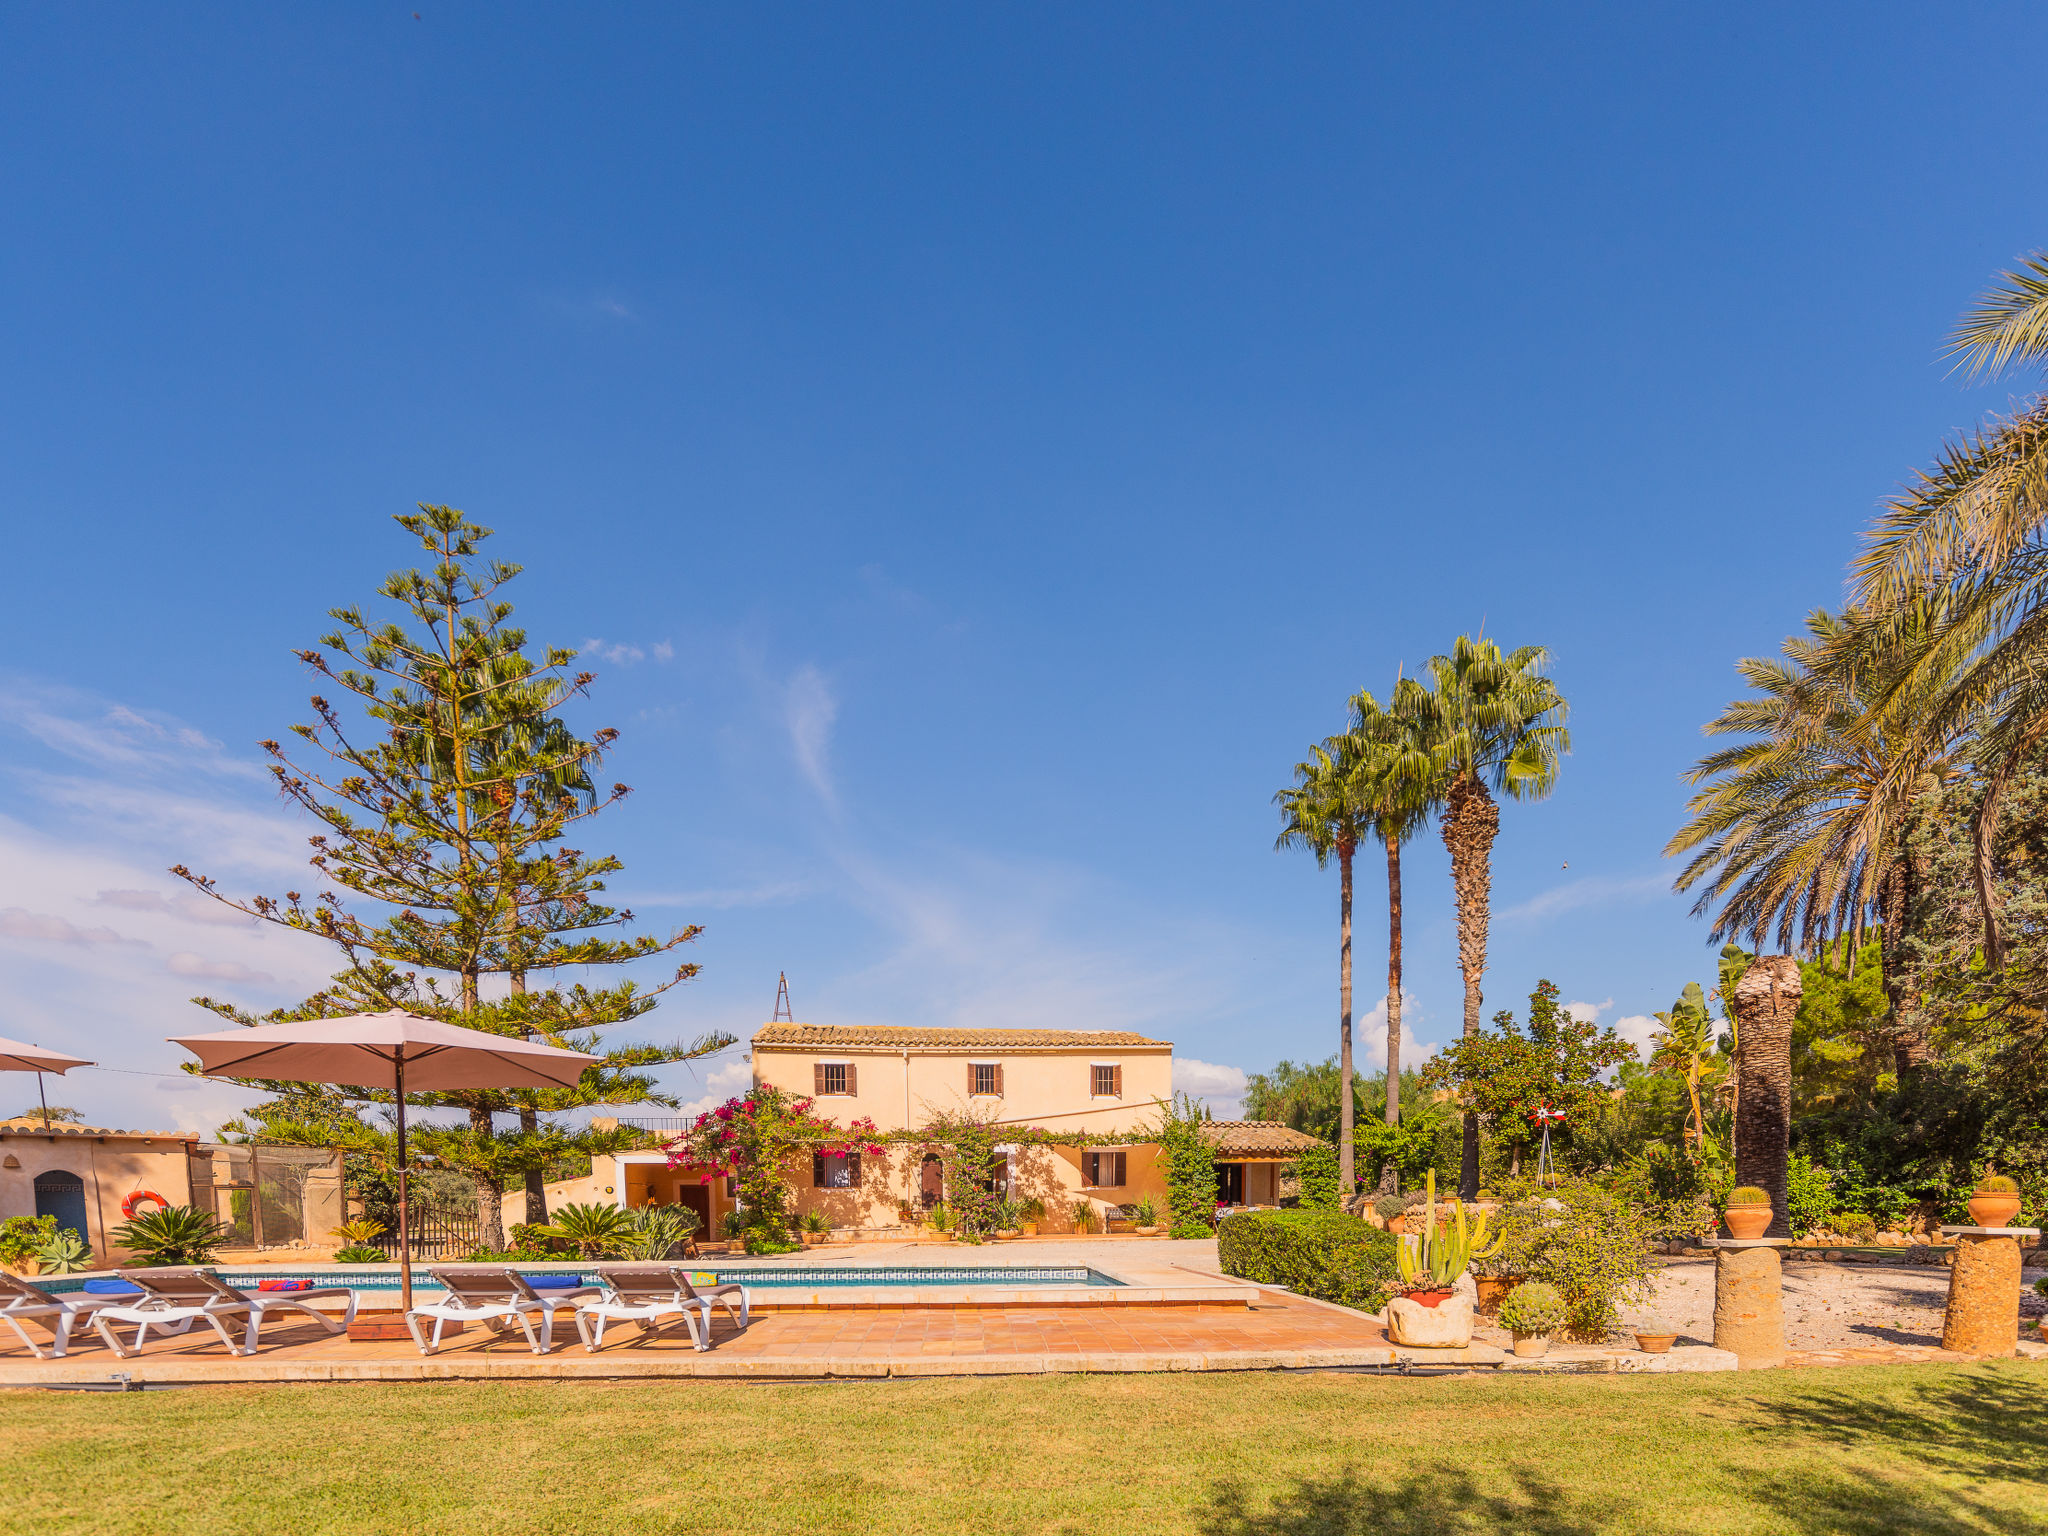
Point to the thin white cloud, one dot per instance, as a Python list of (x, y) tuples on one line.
[(190, 907), (1588, 1013), (1592, 891), (46, 928), (624, 653), (1369, 1036), (1220, 1087), (809, 710), (661, 650), (185, 963), (767, 894), (114, 735)]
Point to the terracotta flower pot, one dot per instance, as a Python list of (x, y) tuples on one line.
[(1493, 1290), (1747, 1222), (1394, 1225), (1656, 1343), (1995, 1210), (1531, 1346), (1030, 1229)]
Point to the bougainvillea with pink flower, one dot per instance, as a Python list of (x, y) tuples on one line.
[(762, 1140)]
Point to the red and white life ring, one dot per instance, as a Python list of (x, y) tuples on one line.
[(128, 1205)]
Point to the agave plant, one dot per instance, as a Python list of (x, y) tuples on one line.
[(1436, 1256), (361, 1253), (656, 1232), (179, 1234), (64, 1254), (592, 1229)]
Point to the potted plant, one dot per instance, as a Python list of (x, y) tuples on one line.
[(1390, 1209), (1031, 1214), (1532, 1312), (1432, 1312), (1995, 1202), (1084, 1216), (1748, 1213), (816, 1229), (1653, 1341), (735, 1229), (1146, 1212), (942, 1223)]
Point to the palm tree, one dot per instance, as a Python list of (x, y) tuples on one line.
[(1682, 1046), (1403, 788), (1489, 722), (1971, 531), (1324, 811), (1799, 832)]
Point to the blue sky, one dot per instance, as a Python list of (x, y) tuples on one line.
[(983, 447)]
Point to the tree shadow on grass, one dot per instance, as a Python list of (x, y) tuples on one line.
[(1432, 1503), (1987, 1422)]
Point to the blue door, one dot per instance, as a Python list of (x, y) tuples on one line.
[(62, 1195)]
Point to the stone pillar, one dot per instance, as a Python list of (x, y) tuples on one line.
[(1749, 1301), (1983, 1315)]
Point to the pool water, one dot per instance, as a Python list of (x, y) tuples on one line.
[(755, 1276)]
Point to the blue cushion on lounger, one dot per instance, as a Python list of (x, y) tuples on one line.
[(112, 1288), (554, 1282)]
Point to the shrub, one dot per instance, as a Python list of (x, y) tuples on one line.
[(657, 1232), (502, 1256), (1588, 1242), (1387, 1207), (1146, 1211), (1190, 1168), (21, 1236), (734, 1226), (180, 1234), (361, 1253), (1809, 1194), (1997, 1184), (761, 1241), (1853, 1225), (1083, 1215), (1533, 1307), (1316, 1172), (1324, 1254), (1032, 1209), (1748, 1194), (363, 1231)]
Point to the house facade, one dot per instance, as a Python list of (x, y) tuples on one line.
[(1106, 1084)]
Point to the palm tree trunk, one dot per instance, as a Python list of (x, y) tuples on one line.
[(1766, 1002), (1471, 821), (1389, 1174), (1345, 1122), (1910, 1048)]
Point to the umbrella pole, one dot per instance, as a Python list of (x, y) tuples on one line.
[(404, 1225), (46, 1103)]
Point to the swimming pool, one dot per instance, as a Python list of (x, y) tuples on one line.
[(766, 1277)]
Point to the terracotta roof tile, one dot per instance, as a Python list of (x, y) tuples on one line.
[(826, 1036), (1256, 1138), (32, 1125)]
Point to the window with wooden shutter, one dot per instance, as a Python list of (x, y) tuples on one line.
[(835, 1172), (817, 1080), (852, 1083), (1105, 1082), (818, 1170), (984, 1080), (853, 1170), (999, 1080), (1116, 1082), (834, 1077)]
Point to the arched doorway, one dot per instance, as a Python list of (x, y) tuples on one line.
[(62, 1195)]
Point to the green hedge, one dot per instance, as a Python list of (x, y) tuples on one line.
[(1324, 1254)]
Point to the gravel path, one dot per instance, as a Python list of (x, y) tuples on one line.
[(1827, 1306)]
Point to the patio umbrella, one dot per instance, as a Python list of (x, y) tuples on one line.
[(396, 1050), (16, 1057)]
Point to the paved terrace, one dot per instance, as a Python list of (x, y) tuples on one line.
[(1276, 1331)]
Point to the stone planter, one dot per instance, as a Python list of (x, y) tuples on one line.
[(1007, 1234), (1994, 1210), (1531, 1346), (1150, 1231), (1447, 1325), (1746, 1222), (1656, 1343), (26, 1268)]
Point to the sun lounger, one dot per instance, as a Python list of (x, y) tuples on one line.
[(58, 1312), (496, 1297), (174, 1298), (736, 1299), (643, 1294)]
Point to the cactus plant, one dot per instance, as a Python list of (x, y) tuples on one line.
[(1748, 1194), (1435, 1257), (1533, 1308), (1997, 1184)]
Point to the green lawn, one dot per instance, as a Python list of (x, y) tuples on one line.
[(1868, 1449)]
